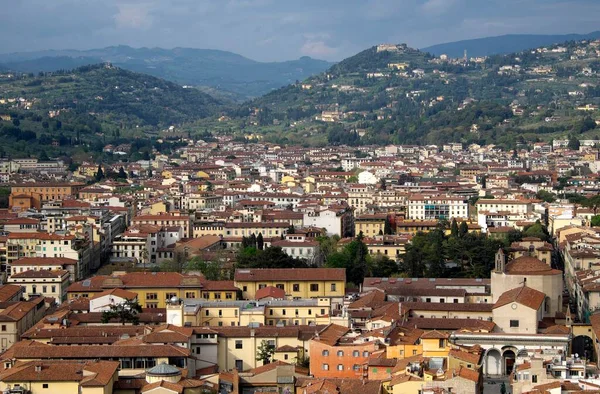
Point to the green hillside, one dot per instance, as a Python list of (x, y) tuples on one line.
[(83, 109), (225, 73), (402, 95)]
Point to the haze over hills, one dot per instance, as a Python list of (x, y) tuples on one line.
[(220, 70), (508, 43)]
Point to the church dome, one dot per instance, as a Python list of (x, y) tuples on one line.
[(526, 265)]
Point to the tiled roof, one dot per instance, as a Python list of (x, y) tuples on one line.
[(269, 291), (526, 265), (523, 295), (290, 274)]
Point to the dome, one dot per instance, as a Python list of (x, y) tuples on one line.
[(164, 372), (529, 265)]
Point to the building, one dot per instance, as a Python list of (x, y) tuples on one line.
[(38, 193), (436, 207), (296, 282), (68, 377), (43, 283)]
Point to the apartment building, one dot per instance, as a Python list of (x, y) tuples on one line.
[(370, 225), (296, 282), (154, 289), (437, 207), (25, 196), (43, 283), (166, 220)]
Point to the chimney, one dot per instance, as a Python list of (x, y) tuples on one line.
[(38, 368)]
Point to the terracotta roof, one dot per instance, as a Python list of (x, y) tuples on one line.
[(435, 335), (289, 274), (472, 358), (331, 334), (129, 295), (99, 373), (40, 274), (8, 292), (447, 306), (269, 291), (523, 295), (526, 265), (44, 261), (94, 352), (164, 384)]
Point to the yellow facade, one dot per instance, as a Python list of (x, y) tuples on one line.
[(244, 349), (404, 350), (409, 387), (158, 208), (369, 227), (295, 288), (157, 297), (435, 347)]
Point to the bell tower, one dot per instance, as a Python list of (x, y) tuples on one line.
[(500, 261)]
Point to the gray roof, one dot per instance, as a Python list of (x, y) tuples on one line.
[(163, 369)]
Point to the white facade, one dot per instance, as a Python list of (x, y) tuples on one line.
[(437, 207)]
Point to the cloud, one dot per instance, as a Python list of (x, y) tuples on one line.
[(133, 16), (271, 30), (318, 49), (437, 7)]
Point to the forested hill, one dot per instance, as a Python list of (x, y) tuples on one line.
[(396, 94), (75, 113), (127, 98), (226, 73)]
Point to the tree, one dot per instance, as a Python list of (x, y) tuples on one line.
[(537, 230), (595, 221), (125, 312), (573, 143), (291, 229), (454, 228), (260, 242), (99, 173), (354, 257), (122, 173), (264, 352), (210, 270), (175, 265), (463, 229), (144, 257), (252, 240), (383, 267), (545, 196)]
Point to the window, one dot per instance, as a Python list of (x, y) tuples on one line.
[(533, 378), (333, 287), (375, 370), (325, 367), (171, 295), (356, 367), (238, 344), (514, 323), (414, 352), (217, 296), (44, 289), (427, 299), (314, 287), (151, 296), (4, 327), (340, 353), (456, 300), (296, 287), (340, 367), (442, 343), (228, 296), (279, 286), (244, 288), (45, 385), (206, 312), (325, 353), (365, 354), (190, 294), (151, 305)]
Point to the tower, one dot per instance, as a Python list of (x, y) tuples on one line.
[(500, 261), (465, 56)]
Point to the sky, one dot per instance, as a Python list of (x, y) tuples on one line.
[(275, 30)]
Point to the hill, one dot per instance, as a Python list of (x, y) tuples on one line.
[(91, 105), (220, 70), (396, 94), (503, 44)]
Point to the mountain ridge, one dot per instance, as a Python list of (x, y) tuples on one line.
[(504, 44), (222, 70)]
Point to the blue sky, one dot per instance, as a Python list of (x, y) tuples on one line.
[(270, 30)]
